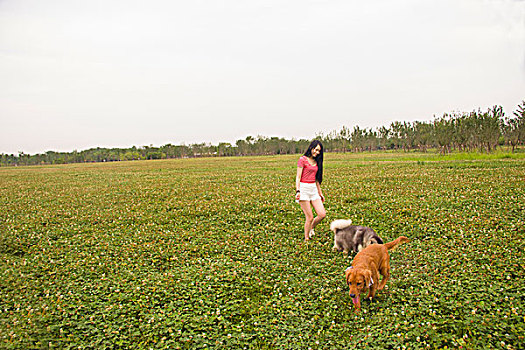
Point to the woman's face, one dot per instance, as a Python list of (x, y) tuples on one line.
[(316, 150)]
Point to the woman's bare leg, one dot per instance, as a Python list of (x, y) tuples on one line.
[(319, 210), (307, 210)]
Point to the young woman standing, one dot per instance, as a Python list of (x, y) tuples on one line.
[(308, 187)]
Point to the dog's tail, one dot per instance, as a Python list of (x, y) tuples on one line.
[(340, 224), (396, 242)]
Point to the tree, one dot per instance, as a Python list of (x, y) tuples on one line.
[(443, 131), (514, 128), (344, 139), (242, 147), (383, 135), (465, 134), (520, 116), (422, 135), (357, 139), (490, 125), (407, 135), (396, 134), (224, 149)]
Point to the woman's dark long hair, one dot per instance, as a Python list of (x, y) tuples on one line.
[(318, 159)]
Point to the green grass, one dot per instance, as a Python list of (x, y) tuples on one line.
[(433, 155), (205, 253)]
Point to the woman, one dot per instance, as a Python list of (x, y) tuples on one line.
[(308, 187)]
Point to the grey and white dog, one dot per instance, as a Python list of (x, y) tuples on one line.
[(349, 237)]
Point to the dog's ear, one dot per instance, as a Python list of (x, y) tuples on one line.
[(368, 277), (347, 273)]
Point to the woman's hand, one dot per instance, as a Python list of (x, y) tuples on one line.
[(297, 195), (322, 197)]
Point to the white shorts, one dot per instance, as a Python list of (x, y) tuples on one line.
[(308, 192)]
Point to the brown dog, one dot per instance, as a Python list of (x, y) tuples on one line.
[(367, 265)]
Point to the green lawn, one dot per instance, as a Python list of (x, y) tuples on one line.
[(206, 253)]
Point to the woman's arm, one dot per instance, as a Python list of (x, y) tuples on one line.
[(319, 190), (297, 181)]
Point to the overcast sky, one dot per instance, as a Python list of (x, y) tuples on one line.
[(77, 74)]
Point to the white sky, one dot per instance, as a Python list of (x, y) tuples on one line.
[(77, 74)]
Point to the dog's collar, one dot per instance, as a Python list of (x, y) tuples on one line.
[(371, 279)]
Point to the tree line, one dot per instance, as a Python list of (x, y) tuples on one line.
[(478, 130)]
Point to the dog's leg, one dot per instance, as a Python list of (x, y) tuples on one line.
[(371, 292), (336, 247), (374, 285), (385, 272)]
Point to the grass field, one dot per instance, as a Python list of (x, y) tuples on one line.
[(205, 253)]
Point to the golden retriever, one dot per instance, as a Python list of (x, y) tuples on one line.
[(367, 265)]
